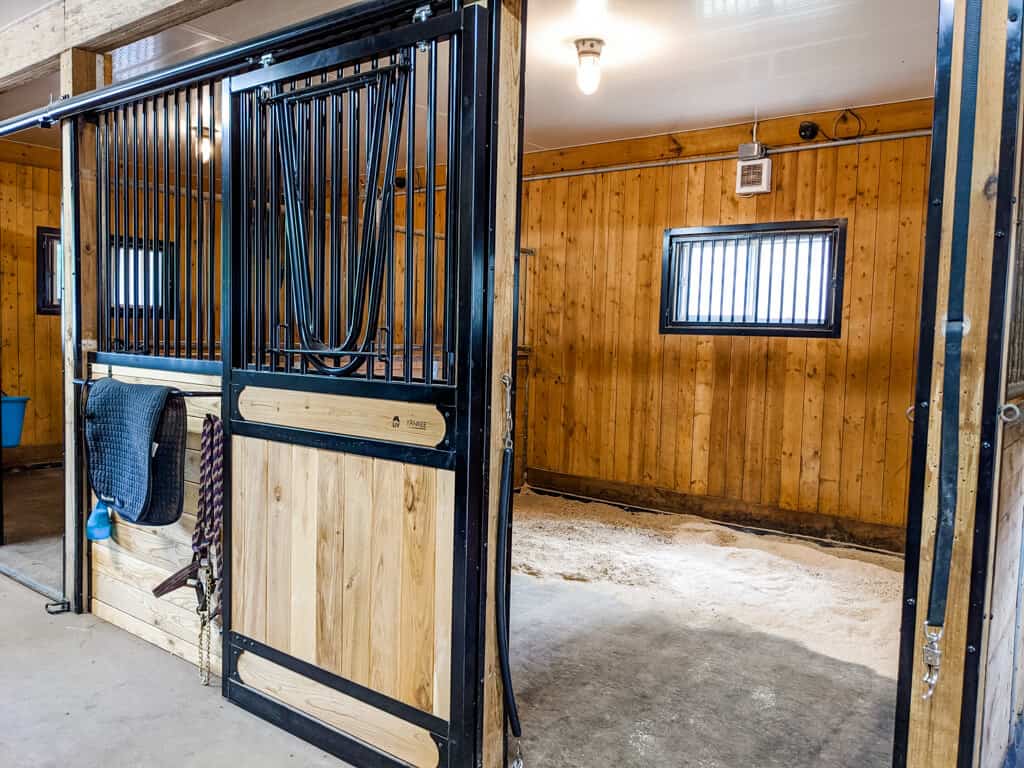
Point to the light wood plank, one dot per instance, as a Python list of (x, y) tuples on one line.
[(373, 726), (390, 420)]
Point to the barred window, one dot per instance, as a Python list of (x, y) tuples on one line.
[(783, 279)]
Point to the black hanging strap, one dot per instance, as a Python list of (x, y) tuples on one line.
[(956, 327)]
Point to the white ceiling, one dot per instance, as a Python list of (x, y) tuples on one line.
[(667, 65)]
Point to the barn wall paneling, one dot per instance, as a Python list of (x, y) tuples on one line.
[(805, 425)]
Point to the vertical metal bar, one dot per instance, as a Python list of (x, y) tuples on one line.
[(188, 225), (450, 257), (319, 142), (100, 221), (178, 261), (166, 259), (121, 256), (211, 223), (114, 234), (142, 268), (408, 331), (130, 248), (261, 228), (334, 224), (201, 244), (245, 194), (274, 213), (352, 253), (153, 254), (428, 229)]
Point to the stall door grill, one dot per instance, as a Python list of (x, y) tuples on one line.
[(356, 241), (158, 224), (347, 271)]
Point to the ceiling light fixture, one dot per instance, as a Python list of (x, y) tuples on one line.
[(588, 64)]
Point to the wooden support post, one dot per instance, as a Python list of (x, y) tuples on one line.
[(506, 248), (80, 71), (972, 203)]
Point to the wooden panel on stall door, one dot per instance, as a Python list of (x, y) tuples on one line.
[(345, 561)]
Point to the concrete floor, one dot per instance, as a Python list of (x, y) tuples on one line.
[(611, 669), (80, 693), (33, 525), (605, 679)]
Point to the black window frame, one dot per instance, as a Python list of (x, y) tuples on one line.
[(45, 236), (165, 251), (831, 329)]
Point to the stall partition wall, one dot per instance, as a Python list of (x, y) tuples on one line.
[(125, 567), (803, 434), (30, 190), (1003, 704)]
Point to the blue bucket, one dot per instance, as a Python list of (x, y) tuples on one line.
[(13, 418)]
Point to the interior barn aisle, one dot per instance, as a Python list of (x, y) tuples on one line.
[(662, 634)]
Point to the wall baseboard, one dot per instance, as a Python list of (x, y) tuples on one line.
[(723, 510)]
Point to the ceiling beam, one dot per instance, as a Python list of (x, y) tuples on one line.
[(33, 44)]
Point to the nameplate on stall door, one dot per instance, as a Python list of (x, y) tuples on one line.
[(390, 420)]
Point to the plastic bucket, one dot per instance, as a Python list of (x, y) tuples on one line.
[(13, 418)]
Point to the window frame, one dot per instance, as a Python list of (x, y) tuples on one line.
[(832, 329), (163, 256), (45, 235)]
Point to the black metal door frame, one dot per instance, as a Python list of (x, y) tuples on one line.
[(989, 458), (464, 404)]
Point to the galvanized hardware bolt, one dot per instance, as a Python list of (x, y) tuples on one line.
[(420, 15), (266, 59), (911, 601), (937, 201), (1000, 233), (986, 445), (971, 649)]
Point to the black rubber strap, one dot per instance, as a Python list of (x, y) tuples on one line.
[(949, 436)]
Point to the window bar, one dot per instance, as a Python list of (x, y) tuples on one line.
[(429, 219), (410, 223), (213, 240), (188, 223), (178, 262), (825, 296), (200, 225)]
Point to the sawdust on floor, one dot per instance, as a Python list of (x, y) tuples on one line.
[(837, 601)]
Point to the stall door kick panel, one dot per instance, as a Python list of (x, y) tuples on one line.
[(355, 199)]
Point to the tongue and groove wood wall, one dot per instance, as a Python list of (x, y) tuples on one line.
[(30, 188), (787, 432)]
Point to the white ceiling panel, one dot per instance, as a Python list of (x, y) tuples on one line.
[(668, 65)]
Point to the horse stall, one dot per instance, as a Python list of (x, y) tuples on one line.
[(572, 454)]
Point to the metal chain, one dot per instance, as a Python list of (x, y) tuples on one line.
[(203, 609)]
